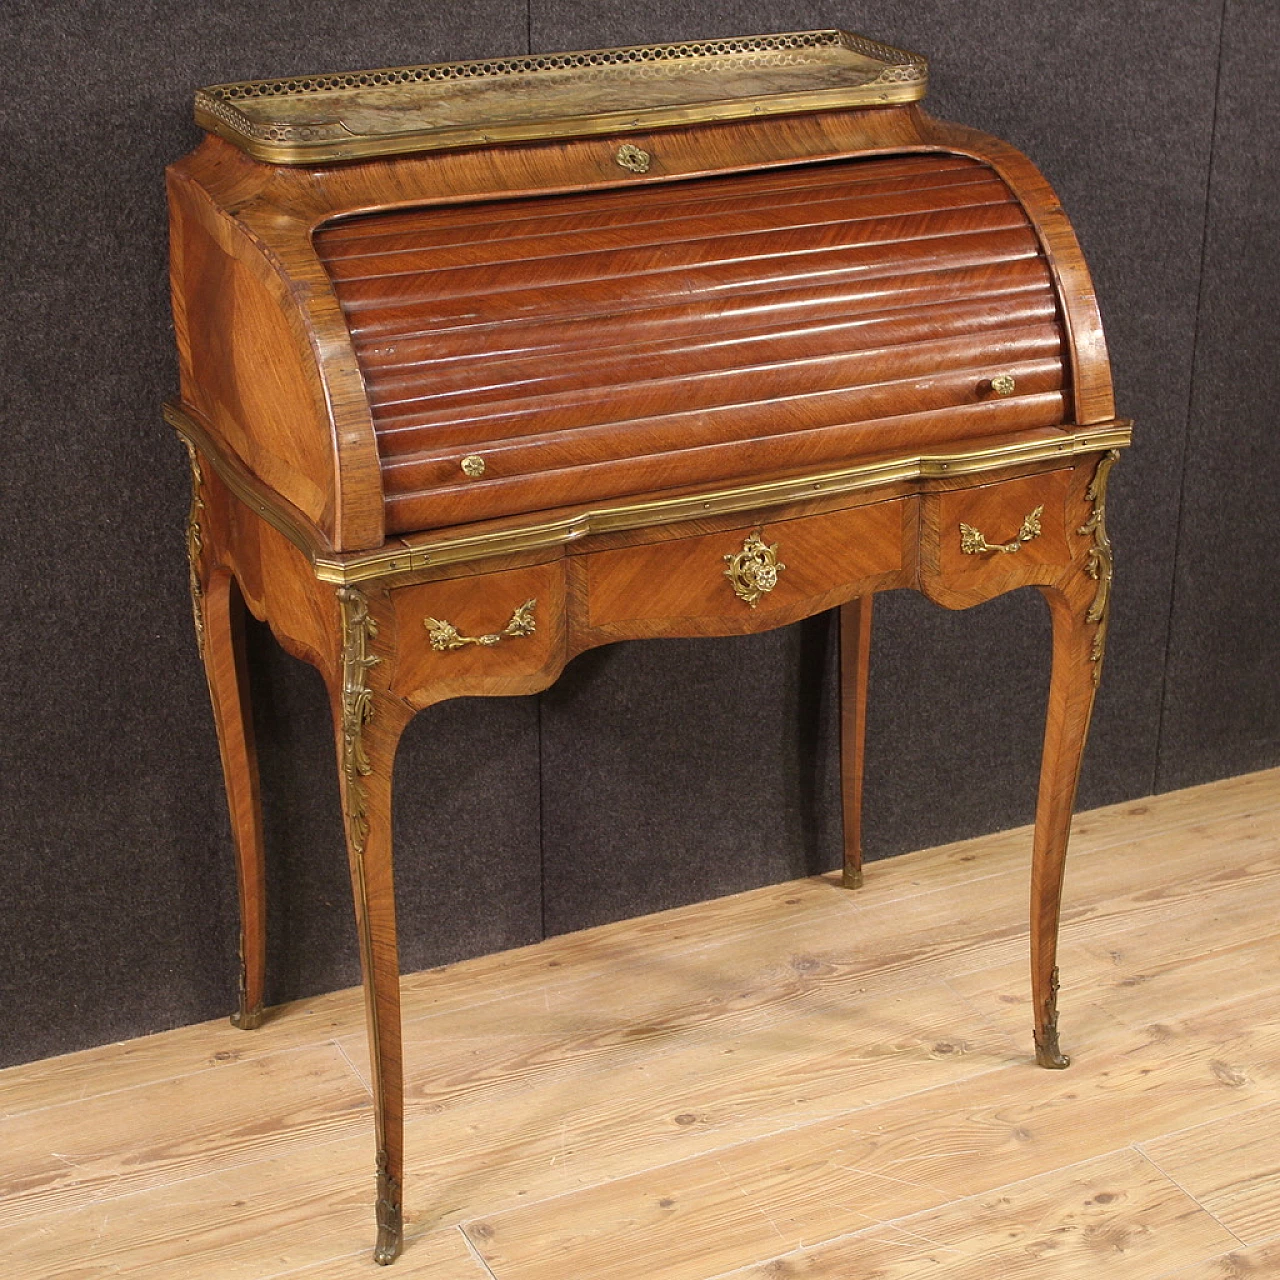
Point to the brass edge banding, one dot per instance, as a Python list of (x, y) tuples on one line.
[(874, 94), (195, 545), (363, 565), (251, 491), (726, 501)]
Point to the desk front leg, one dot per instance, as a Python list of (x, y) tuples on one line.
[(1049, 531), (1071, 692), (368, 723), (1080, 607)]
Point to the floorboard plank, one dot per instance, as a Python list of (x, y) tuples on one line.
[(1115, 1215), (1232, 1168), (113, 1144)]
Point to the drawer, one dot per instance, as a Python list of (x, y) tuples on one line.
[(998, 528), (493, 633), (817, 557)]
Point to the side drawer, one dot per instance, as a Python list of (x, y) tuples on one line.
[(487, 633), (817, 557), (999, 528)]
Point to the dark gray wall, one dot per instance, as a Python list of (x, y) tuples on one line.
[(620, 790)]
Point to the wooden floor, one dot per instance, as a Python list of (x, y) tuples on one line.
[(794, 1082)]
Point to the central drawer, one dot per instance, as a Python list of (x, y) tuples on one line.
[(820, 560), (531, 353)]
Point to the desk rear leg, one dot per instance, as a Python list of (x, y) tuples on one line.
[(218, 609), (226, 668), (855, 660)]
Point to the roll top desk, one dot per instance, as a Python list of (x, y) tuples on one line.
[(485, 364)]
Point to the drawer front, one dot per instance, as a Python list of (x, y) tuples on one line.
[(748, 574), (488, 633), (999, 528)]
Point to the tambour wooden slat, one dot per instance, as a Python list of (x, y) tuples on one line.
[(352, 235), (729, 461), (755, 276), (853, 376), (591, 346), (422, 358), (533, 375), (513, 447), (784, 252), (628, 213), (827, 210)]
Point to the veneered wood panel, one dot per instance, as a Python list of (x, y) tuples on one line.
[(822, 554), (245, 359)]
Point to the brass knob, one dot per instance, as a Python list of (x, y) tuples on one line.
[(473, 465), (1003, 384), (631, 158)]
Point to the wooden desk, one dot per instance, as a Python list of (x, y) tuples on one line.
[(500, 387)]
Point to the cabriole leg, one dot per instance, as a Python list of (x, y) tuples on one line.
[(855, 659), (219, 620), (369, 724), (1080, 609), (1071, 693)]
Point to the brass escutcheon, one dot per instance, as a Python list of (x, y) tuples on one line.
[(754, 570), (445, 636), (630, 157), (973, 543)]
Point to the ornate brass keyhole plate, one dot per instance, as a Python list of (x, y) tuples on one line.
[(753, 571), (631, 158)]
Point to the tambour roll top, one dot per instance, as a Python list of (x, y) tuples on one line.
[(503, 331)]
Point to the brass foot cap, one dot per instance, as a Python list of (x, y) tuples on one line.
[(1053, 1058), (390, 1242), (852, 878), (248, 1019)]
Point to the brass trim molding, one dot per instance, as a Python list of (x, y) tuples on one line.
[(195, 545), (445, 636), (358, 629), (395, 110), (754, 570), (424, 553), (1099, 563), (973, 543)]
